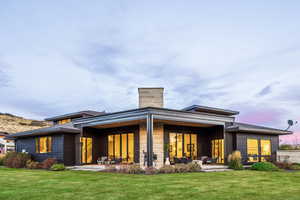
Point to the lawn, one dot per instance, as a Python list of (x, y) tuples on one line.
[(17, 184)]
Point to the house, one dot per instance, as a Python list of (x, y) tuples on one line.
[(6, 145), (149, 135)]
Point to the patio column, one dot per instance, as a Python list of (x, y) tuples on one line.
[(149, 140)]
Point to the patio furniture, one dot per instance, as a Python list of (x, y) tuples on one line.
[(198, 162), (102, 160)]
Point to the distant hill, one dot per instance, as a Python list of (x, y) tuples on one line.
[(12, 124)]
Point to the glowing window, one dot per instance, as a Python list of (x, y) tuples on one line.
[(252, 150), (43, 144), (217, 150), (265, 146), (64, 121)]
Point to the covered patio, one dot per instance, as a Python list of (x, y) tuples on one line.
[(152, 137)]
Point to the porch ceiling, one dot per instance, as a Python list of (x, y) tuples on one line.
[(179, 123), (119, 124)]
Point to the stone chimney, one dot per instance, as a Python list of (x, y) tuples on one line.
[(151, 97)]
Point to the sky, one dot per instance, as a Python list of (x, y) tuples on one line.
[(63, 56)]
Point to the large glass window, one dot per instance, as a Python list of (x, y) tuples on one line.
[(64, 121), (43, 144), (252, 150), (217, 150), (182, 145), (265, 146), (86, 150), (121, 146)]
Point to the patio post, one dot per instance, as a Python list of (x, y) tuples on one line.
[(149, 140)]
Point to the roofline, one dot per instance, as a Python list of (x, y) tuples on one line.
[(43, 131), (148, 109), (158, 113), (74, 114), (258, 129), (231, 112)]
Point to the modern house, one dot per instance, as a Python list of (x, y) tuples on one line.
[(149, 135)]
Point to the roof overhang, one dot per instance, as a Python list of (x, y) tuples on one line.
[(257, 130), (157, 113), (74, 115), (43, 131), (206, 109)]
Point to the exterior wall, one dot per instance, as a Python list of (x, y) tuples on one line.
[(143, 142), (28, 144), (241, 143), (69, 149), (288, 155), (158, 143)]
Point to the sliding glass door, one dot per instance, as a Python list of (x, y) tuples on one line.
[(217, 150), (182, 145), (86, 150), (121, 146)]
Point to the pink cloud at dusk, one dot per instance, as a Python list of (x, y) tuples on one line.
[(271, 118), (261, 117), (291, 139)]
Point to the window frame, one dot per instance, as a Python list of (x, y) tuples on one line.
[(186, 146), (117, 144), (49, 144)]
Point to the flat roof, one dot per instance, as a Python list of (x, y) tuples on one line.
[(75, 114), (206, 109), (63, 128), (243, 127)]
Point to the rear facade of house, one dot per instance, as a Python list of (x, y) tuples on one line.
[(150, 135)]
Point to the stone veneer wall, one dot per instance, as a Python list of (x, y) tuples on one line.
[(288, 155), (158, 143)]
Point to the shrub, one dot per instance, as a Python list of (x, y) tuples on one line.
[(47, 164), (264, 166), (58, 167), (193, 167), (151, 171), (166, 169), (284, 165), (16, 160), (235, 160), (295, 167), (135, 169), (1, 161), (180, 168), (32, 165), (288, 147)]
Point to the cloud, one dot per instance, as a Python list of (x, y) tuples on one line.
[(267, 90), (96, 55)]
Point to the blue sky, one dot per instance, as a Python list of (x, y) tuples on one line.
[(64, 56)]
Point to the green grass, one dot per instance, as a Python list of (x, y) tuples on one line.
[(17, 184)]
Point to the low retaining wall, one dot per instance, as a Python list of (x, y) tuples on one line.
[(288, 155)]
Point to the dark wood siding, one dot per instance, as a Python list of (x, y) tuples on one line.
[(69, 149), (28, 144), (241, 143)]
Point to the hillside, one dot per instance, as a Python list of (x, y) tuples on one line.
[(11, 124)]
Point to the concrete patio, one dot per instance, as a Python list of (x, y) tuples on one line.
[(98, 168)]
